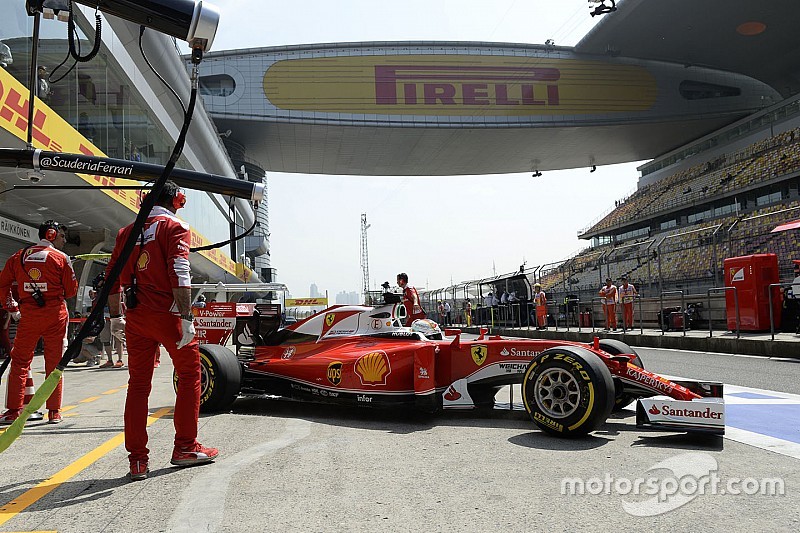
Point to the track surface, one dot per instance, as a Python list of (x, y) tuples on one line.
[(293, 467)]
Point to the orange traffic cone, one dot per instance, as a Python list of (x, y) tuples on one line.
[(30, 390)]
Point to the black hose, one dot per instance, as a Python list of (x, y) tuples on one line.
[(71, 37)]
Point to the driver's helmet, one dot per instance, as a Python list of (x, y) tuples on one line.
[(427, 327)]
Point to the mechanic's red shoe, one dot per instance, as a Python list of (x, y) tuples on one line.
[(54, 417), (193, 455), (9, 416), (139, 470)]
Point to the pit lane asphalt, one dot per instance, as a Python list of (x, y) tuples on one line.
[(293, 467)]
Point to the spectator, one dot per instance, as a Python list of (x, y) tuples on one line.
[(440, 311), (43, 84), (488, 300), (448, 320), (468, 312), (609, 295)]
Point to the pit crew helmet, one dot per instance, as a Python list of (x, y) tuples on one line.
[(427, 327)]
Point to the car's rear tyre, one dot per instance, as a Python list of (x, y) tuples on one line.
[(220, 378), (615, 347), (568, 391)]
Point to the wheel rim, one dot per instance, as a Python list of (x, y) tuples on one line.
[(557, 393), (203, 380)]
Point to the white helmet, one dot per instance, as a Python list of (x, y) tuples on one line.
[(427, 327)]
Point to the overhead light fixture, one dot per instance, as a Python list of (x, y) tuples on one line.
[(751, 28)]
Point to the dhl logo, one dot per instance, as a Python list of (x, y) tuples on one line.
[(468, 86)]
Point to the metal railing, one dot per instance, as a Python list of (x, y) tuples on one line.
[(641, 316), (771, 312), (682, 310), (735, 304)]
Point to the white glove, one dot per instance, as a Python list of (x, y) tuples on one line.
[(187, 326), (15, 315), (118, 328)]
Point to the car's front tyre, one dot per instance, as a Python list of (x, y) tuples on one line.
[(568, 391)]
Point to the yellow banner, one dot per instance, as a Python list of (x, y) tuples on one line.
[(458, 85), (306, 302), (51, 132)]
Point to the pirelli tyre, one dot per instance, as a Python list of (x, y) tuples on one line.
[(568, 391), (220, 378), (615, 347)]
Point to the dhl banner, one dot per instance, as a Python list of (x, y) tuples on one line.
[(458, 85), (306, 302), (51, 132)]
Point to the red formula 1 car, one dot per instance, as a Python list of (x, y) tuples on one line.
[(356, 355)]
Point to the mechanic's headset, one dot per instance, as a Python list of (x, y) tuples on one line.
[(52, 228), (179, 200)]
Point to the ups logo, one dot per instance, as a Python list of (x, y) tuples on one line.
[(335, 372)]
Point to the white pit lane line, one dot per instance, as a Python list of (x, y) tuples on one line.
[(751, 438), (207, 513)]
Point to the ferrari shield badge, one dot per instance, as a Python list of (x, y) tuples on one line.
[(479, 353), (329, 318)]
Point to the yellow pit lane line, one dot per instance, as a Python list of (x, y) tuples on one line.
[(90, 399), (25, 500)]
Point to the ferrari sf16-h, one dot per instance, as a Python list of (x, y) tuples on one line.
[(364, 356)]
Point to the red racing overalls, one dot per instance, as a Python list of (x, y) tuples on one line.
[(158, 266), (38, 266), (411, 299)]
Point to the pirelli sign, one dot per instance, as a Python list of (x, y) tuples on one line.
[(458, 85)]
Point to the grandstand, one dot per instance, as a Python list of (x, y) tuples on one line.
[(720, 196)]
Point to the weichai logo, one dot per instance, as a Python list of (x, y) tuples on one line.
[(466, 85)]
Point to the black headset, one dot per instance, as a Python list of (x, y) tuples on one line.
[(49, 230)]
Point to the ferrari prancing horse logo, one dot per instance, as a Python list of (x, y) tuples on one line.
[(329, 318), (479, 353)]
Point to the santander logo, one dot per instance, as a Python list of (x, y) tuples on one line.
[(452, 394), (654, 410)]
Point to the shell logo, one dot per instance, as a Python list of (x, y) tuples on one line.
[(35, 274), (372, 368), (143, 261)]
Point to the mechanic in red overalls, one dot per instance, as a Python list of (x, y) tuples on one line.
[(159, 312), (609, 295), (410, 299), (44, 276)]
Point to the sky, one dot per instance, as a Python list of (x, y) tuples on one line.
[(439, 230)]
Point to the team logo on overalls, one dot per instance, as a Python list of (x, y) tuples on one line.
[(143, 261), (479, 353), (35, 274)]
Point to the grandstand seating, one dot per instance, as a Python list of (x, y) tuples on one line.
[(760, 161)]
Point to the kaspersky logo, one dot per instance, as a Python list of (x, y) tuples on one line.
[(452, 85)]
